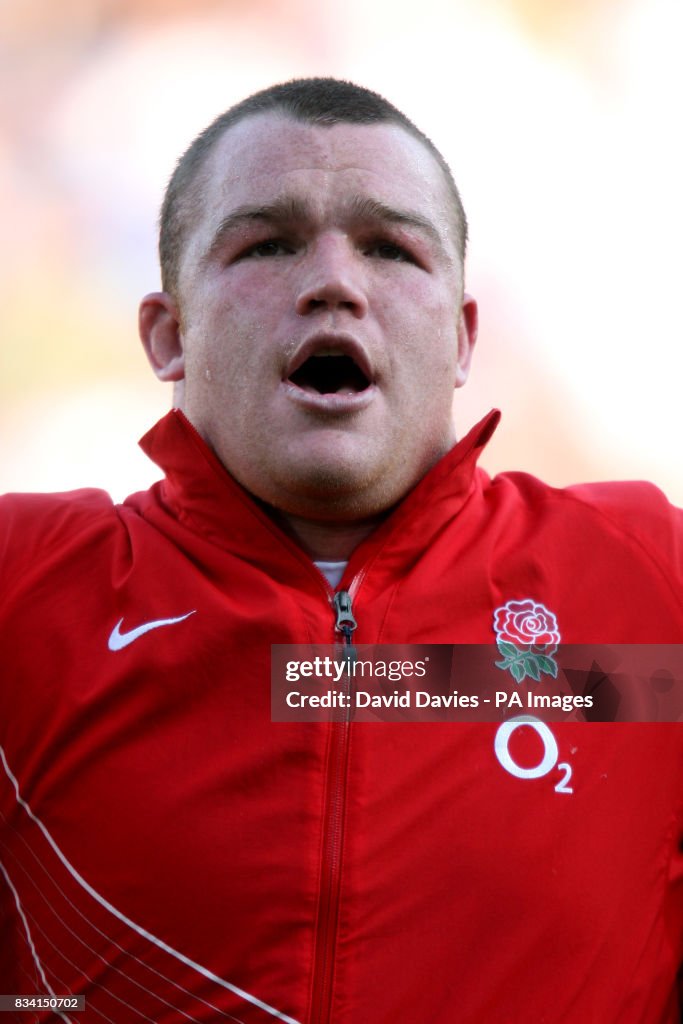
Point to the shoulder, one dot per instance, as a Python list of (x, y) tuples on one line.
[(34, 527), (637, 508), (52, 511), (626, 504), (633, 516)]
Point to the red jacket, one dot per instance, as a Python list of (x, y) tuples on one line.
[(168, 851)]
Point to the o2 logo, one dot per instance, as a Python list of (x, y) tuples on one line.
[(548, 761)]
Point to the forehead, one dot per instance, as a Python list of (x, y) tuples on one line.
[(268, 156)]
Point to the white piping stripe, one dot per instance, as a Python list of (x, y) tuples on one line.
[(85, 976), (113, 967), (63, 987), (36, 959), (35, 987), (105, 935), (254, 1000), (90, 949)]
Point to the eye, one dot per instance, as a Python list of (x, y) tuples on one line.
[(389, 251), (270, 247)]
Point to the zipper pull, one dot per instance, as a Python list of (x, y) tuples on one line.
[(345, 622)]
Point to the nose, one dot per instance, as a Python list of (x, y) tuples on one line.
[(332, 279)]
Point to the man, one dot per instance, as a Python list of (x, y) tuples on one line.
[(376, 248), (167, 850)]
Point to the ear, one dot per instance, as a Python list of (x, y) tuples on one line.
[(468, 326), (159, 326)]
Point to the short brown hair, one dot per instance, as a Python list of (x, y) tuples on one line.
[(318, 101)]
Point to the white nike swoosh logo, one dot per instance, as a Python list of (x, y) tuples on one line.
[(119, 640)]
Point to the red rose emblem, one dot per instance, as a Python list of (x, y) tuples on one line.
[(526, 624)]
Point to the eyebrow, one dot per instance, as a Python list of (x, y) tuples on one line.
[(288, 209), (292, 209), (366, 208)]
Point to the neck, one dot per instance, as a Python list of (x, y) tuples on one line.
[(327, 542)]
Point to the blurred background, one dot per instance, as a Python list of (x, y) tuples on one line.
[(558, 118)]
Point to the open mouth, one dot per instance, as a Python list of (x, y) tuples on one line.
[(330, 375)]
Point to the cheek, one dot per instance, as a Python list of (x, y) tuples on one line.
[(248, 283), (428, 349), (441, 341), (417, 309), (221, 340)]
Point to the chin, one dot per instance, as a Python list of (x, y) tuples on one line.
[(336, 490), (330, 480)]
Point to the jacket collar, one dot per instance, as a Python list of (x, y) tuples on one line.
[(200, 492)]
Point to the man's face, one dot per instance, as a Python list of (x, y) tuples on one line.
[(319, 309)]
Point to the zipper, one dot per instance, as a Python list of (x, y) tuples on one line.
[(333, 826), (345, 622)]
